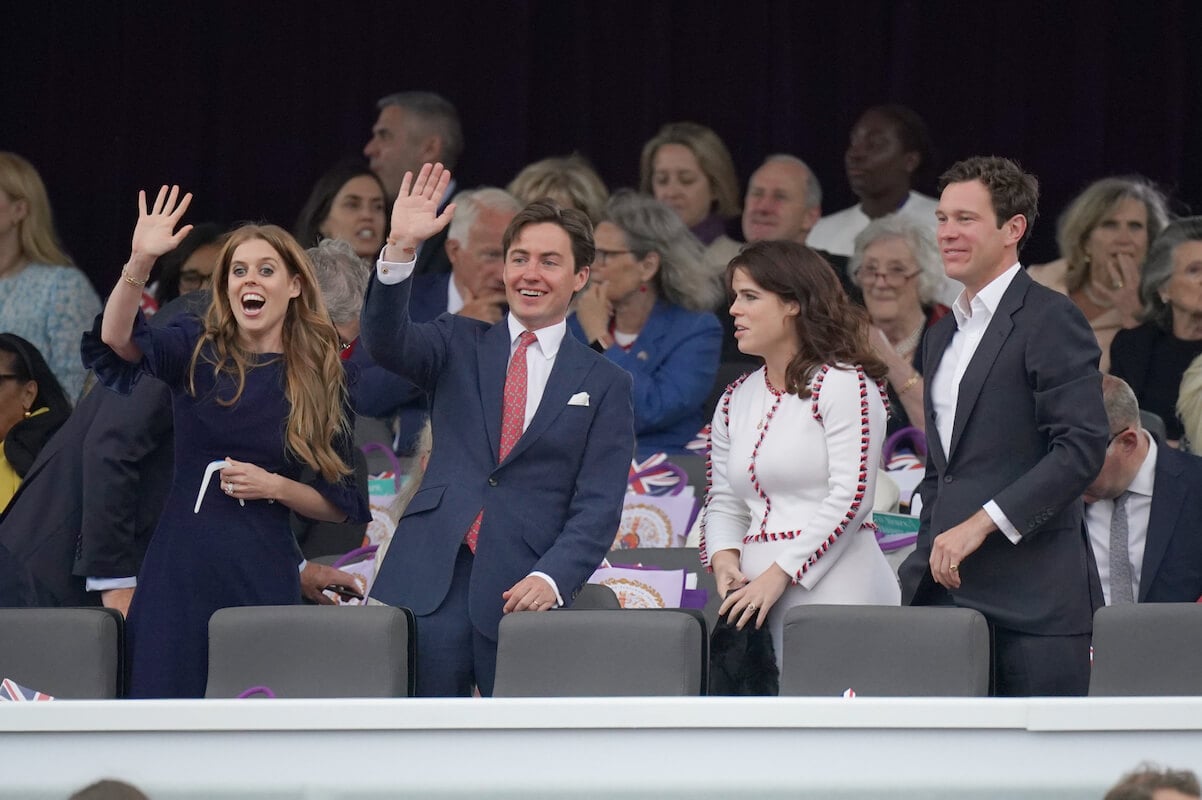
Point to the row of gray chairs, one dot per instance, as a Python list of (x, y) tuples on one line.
[(1139, 650), (321, 651)]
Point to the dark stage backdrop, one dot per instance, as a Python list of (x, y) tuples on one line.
[(246, 103)]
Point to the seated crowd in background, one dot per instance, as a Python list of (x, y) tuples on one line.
[(663, 302)]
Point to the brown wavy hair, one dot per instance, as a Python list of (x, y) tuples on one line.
[(830, 328), (315, 384)]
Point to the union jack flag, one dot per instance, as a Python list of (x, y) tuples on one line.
[(656, 476), (11, 690)]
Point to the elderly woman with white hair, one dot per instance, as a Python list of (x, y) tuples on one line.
[(343, 279), (1153, 357), (896, 263)]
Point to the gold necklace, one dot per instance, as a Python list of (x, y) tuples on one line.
[(908, 345), (770, 400)]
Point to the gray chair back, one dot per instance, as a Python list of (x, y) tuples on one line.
[(1147, 649), (69, 653), (686, 558), (312, 651), (595, 597), (625, 653), (695, 470), (1153, 424), (885, 651)]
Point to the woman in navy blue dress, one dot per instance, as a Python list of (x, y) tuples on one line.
[(257, 384)]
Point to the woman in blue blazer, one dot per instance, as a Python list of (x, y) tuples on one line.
[(647, 310)]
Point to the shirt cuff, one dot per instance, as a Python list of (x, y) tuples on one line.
[(105, 584), (554, 588), (301, 566), (995, 513), (393, 272)]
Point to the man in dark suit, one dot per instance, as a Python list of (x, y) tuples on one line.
[(1015, 432), (416, 128), (91, 500), (1142, 511), (533, 435)]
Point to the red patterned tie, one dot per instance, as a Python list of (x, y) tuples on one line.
[(513, 416)]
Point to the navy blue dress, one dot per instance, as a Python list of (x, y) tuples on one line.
[(227, 554)]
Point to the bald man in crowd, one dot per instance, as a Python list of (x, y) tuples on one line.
[(1142, 511)]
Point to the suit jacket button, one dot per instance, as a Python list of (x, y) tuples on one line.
[(947, 479), (492, 481)]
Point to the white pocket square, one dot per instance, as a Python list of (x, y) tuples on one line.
[(578, 399)]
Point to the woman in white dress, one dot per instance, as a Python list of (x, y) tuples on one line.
[(795, 446)]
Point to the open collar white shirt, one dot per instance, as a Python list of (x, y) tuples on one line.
[(972, 319)]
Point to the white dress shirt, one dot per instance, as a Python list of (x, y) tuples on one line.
[(972, 318), (540, 356), (1139, 512), (454, 299)]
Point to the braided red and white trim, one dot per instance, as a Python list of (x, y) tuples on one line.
[(702, 552)]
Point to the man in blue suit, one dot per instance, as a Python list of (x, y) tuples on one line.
[(1149, 496), (473, 288), (533, 435)]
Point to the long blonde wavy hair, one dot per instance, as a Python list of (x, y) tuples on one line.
[(315, 384), (20, 181)]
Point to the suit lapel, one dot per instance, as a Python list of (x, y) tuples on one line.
[(986, 353), (1167, 499), (492, 361), (566, 376), (934, 345)]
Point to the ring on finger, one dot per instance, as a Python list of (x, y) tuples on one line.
[(751, 606), (954, 568)]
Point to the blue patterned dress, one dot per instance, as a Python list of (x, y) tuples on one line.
[(51, 307)]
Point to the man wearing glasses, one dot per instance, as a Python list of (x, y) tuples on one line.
[(896, 264)]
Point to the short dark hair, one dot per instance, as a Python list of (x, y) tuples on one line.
[(438, 112), (170, 264), (575, 224), (1011, 190), (30, 365), (109, 789), (1143, 782), (913, 133)]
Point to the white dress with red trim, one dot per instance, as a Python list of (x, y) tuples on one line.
[(792, 482)]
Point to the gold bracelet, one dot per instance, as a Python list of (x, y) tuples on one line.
[(909, 384), (131, 280)]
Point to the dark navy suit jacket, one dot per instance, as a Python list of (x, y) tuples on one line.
[(673, 363), (553, 505), (1172, 566), (90, 502), (1030, 433), (380, 392)]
